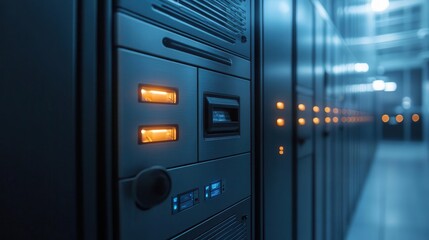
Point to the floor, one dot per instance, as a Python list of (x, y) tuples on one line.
[(395, 201)]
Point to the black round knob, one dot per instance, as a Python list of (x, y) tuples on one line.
[(151, 187)]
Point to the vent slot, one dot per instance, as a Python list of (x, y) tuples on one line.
[(225, 19), (231, 229)]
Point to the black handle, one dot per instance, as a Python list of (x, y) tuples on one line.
[(151, 187)]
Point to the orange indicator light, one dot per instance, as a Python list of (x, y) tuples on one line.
[(316, 109), (327, 120), (280, 122), (153, 94), (158, 134), (335, 119), (280, 105), (316, 121), (399, 118), (415, 117), (301, 107), (385, 118), (327, 109), (301, 121)]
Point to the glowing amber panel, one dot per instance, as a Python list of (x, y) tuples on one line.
[(154, 94), (158, 134)]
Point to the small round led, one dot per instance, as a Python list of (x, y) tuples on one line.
[(316, 109), (327, 109), (301, 121), (385, 118), (280, 122), (415, 117), (301, 107), (399, 118), (327, 120), (335, 119), (280, 105), (316, 121)]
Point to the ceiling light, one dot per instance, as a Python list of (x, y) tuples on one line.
[(379, 5), (378, 85), (361, 67), (390, 87)]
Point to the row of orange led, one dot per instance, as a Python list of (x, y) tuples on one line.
[(316, 109), (328, 120), (400, 118)]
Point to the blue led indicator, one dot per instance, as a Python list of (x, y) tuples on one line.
[(207, 188), (175, 200), (215, 185), (215, 193), (175, 207)]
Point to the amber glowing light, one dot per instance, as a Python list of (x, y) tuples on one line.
[(327, 120), (280, 122), (316, 121), (335, 110), (385, 118), (327, 109), (316, 109), (158, 134), (415, 117), (280, 105), (151, 94), (301, 107), (399, 118), (301, 121), (335, 119)]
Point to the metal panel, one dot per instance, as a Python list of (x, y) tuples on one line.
[(133, 33), (319, 138), (216, 147), (304, 35), (305, 198), (134, 69), (38, 92), (223, 23), (234, 173), (305, 130), (276, 86), (233, 223)]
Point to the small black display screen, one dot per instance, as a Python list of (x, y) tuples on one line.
[(220, 116)]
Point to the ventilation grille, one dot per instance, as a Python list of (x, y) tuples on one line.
[(225, 19), (231, 229)]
